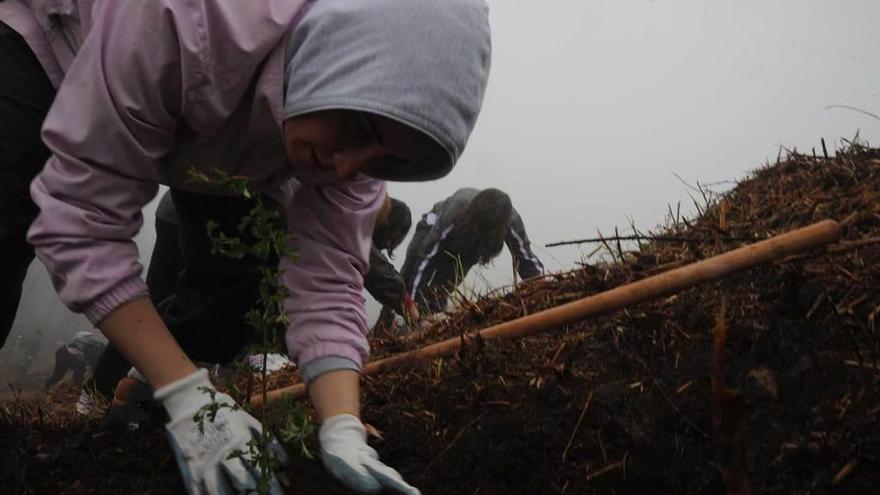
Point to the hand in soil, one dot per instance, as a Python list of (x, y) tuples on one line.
[(347, 456), (211, 437)]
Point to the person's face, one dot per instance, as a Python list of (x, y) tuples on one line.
[(332, 145)]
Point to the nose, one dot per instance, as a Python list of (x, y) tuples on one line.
[(351, 161)]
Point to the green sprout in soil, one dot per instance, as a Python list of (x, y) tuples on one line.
[(294, 425), (261, 233), (260, 458)]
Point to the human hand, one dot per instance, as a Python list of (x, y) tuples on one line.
[(410, 310), (212, 439), (347, 456)]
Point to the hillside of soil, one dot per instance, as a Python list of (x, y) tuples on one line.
[(621, 404)]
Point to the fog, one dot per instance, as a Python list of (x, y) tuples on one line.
[(595, 108)]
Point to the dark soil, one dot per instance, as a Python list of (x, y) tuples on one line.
[(619, 404)]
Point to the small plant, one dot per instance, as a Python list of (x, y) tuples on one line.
[(261, 234), (209, 412), (260, 458), (294, 425)]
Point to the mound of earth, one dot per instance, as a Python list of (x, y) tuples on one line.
[(618, 404)]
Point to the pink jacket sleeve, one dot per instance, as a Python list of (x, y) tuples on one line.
[(332, 230), (115, 116)]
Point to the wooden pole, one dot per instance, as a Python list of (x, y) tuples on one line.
[(659, 285)]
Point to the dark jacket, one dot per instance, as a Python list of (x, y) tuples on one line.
[(430, 272), (383, 282)]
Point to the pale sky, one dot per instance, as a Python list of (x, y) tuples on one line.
[(594, 106)]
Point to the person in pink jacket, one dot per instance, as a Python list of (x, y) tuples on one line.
[(317, 102)]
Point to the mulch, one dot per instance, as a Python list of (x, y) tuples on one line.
[(649, 399)]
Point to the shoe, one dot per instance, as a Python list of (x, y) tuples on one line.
[(85, 404)]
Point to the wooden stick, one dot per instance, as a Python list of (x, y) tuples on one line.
[(653, 287), (657, 238), (610, 467), (845, 471), (577, 426)]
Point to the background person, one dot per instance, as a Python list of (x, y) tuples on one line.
[(468, 228), (383, 281), (77, 357)]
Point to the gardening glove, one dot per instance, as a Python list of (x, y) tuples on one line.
[(203, 457), (347, 456)]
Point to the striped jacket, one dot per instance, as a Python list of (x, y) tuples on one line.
[(430, 271)]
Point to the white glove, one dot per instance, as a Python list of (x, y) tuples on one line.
[(203, 457), (347, 456), (134, 374)]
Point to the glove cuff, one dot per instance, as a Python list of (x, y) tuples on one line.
[(134, 374), (341, 427), (312, 370), (183, 396)]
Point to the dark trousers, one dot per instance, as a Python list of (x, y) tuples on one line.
[(408, 270), (439, 278), (207, 311), (166, 262), (201, 296), (25, 96)]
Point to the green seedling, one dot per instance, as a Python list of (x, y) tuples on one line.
[(260, 233)]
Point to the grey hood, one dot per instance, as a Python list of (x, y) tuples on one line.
[(424, 63)]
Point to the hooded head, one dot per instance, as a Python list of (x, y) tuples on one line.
[(420, 63)]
